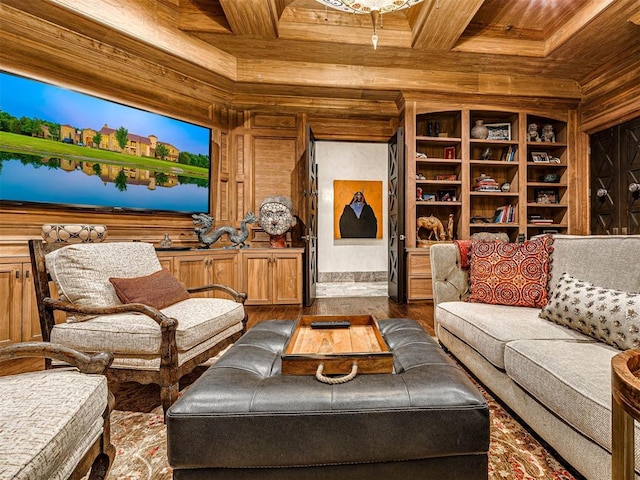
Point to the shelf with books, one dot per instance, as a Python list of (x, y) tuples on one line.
[(438, 160)]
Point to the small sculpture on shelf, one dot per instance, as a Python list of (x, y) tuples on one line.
[(450, 227), (548, 134), (532, 133), (204, 232), (433, 225)]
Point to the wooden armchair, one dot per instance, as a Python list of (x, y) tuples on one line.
[(151, 344), (55, 424)]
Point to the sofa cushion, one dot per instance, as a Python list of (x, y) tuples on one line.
[(577, 255), (158, 290), (611, 316), (510, 273), (35, 440), (572, 379), (488, 328), (81, 272), (133, 333)]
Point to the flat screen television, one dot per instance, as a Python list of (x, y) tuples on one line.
[(61, 148)]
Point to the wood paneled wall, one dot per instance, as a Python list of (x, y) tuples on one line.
[(258, 137)]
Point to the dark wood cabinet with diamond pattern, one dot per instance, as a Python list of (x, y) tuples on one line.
[(615, 180)]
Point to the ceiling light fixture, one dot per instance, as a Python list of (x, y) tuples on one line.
[(372, 7)]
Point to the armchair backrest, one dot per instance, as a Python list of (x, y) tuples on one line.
[(81, 272)]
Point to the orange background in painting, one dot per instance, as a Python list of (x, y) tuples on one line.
[(343, 191)]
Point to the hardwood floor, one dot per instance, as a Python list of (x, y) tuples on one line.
[(378, 307)]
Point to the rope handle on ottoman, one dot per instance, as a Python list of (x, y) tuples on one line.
[(336, 380)]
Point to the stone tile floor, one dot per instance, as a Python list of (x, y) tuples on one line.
[(351, 289)]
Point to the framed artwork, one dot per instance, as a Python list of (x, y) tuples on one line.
[(450, 153), (447, 195), (499, 131), (546, 195), (357, 209), (540, 157), (429, 197)]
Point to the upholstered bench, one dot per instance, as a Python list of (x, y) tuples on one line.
[(243, 420)]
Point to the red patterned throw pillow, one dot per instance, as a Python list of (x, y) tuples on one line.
[(511, 273)]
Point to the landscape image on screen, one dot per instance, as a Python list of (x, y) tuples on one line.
[(60, 147)]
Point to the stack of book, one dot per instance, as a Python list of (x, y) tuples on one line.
[(484, 183), (539, 220), (510, 153), (505, 214)]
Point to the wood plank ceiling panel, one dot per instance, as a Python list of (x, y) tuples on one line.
[(256, 18), (440, 24)]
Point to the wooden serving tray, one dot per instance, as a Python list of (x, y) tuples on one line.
[(336, 348)]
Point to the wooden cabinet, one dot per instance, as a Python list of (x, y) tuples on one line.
[(272, 276), (18, 309), (196, 268), (419, 286)]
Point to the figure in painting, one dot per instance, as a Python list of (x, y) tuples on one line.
[(358, 219)]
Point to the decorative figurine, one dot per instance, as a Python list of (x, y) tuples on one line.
[(208, 237), (434, 225), (532, 133), (547, 133), (450, 227), (166, 241), (276, 218)]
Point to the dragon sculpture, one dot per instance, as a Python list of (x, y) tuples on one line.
[(204, 226)]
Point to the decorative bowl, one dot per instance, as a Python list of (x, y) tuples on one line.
[(73, 233)]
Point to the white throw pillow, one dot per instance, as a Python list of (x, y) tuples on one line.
[(611, 316), (81, 272)]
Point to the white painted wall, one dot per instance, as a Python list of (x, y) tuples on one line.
[(350, 161)]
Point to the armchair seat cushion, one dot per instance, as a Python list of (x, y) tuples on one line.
[(137, 334), (27, 450)]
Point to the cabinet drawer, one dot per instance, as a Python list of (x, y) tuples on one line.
[(420, 288), (419, 264)]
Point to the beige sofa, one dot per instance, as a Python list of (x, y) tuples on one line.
[(556, 379)]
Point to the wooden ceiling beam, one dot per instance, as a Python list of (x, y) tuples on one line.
[(202, 16), (256, 18), (333, 26), (439, 24), (490, 45), (575, 24), (150, 26), (361, 77)]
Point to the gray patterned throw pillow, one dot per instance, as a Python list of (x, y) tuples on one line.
[(610, 316)]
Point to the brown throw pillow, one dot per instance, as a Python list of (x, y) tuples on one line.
[(159, 290)]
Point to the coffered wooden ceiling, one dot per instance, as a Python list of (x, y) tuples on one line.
[(252, 50), (548, 39)]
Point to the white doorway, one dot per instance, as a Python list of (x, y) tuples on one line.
[(350, 267)]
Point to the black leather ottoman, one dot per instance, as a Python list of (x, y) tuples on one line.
[(243, 420)]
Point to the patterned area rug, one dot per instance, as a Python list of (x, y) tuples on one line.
[(139, 435)]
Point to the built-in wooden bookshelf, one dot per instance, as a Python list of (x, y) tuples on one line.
[(510, 181)]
